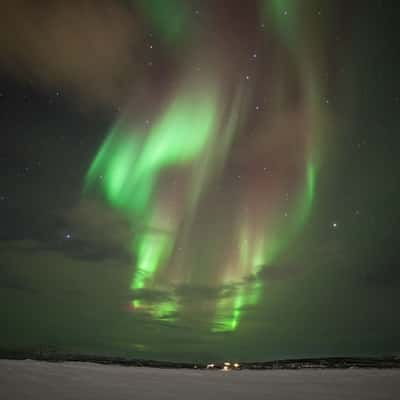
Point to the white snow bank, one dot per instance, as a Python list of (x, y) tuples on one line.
[(72, 380)]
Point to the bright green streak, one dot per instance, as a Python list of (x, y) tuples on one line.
[(181, 134), (152, 250), (117, 174), (165, 311), (131, 165), (175, 140), (237, 310), (228, 312), (128, 167), (260, 254)]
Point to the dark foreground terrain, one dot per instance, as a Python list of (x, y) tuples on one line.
[(31, 379)]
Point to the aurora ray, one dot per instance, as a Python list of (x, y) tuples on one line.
[(163, 177)]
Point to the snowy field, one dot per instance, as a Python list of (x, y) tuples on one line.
[(73, 380)]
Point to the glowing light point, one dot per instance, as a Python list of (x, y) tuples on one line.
[(228, 364)]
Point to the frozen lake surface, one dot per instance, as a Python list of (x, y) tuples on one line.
[(73, 380)]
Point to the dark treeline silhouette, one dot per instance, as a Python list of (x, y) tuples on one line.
[(329, 362)]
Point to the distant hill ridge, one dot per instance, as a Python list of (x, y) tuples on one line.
[(317, 363)]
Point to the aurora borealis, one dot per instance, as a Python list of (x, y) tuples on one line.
[(162, 177), (195, 179)]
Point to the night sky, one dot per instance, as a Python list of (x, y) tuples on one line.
[(200, 180)]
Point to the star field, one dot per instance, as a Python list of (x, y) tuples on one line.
[(199, 179)]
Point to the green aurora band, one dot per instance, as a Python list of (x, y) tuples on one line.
[(189, 145)]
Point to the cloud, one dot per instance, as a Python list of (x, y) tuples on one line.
[(11, 281), (96, 233), (196, 292), (89, 47), (151, 295), (280, 272), (95, 226), (87, 250)]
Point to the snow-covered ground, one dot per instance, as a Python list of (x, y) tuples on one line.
[(73, 380)]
